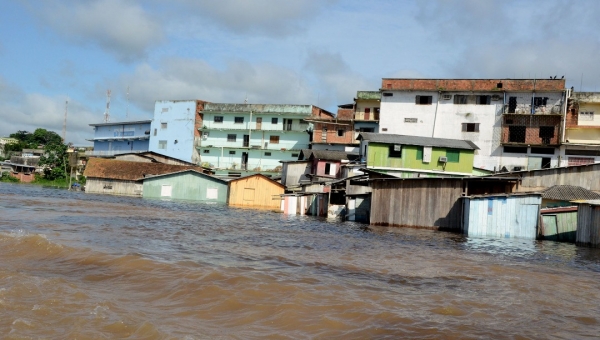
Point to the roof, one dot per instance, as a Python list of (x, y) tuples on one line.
[(292, 109), (127, 170), (569, 193), (325, 154), (187, 171), (258, 175), (479, 85), (417, 140), (151, 155), (124, 123), (368, 95)]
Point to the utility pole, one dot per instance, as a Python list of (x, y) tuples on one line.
[(107, 112)]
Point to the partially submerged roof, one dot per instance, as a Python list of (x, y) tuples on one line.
[(569, 193), (260, 176), (127, 170), (417, 140)]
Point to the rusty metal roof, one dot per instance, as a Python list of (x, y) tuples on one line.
[(129, 171)]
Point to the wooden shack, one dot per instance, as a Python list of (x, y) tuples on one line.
[(186, 185), (588, 224), (256, 191)]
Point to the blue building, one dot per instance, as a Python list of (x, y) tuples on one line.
[(120, 137), (174, 130)]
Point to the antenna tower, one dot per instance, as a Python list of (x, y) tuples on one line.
[(107, 112), (64, 130)]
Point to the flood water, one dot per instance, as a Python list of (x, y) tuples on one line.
[(83, 266)]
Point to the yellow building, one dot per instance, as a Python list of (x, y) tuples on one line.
[(255, 191), (581, 143)]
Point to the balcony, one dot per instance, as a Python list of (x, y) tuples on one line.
[(526, 109)]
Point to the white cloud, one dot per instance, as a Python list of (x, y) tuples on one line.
[(118, 26)]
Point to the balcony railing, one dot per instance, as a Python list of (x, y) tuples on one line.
[(526, 109)]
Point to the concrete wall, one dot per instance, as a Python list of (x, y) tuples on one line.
[(178, 134)]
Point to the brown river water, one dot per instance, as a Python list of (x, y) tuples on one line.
[(82, 266)]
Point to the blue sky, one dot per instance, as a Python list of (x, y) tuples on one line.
[(270, 51)]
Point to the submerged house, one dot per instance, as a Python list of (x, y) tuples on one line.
[(255, 191), (187, 184), (413, 156), (115, 177)]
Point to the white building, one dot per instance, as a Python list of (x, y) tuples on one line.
[(515, 122)]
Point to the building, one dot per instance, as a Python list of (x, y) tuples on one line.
[(581, 142), (120, 137), (515, 122), (4, 141), (115, 177), (175, 129), (367, 105), (255, 191), (414, 156), (337, 134), (254, 138), (187, 184)]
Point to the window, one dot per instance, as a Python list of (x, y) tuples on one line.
[(267, 154), (274, 139), (383, 129), (274, 120), (516, 134), (155, 132), (238, 120), (588, 115), (364, 129), (470, 127), (546, 134), (294, 155), (231, 137), (212, 193), (540, 101), (543, 151), (367, 110), (483, 100), (460, 99), (163, 125), (165, 109), (232, 152), (218, 119), (205, 151), (395, 151), (162, 144), (341, 133), (515, 149), (423, 100), (453, 155), (388, 94), (411, 120), (419, 153)]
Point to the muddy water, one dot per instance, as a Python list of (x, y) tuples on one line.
[(77, 266)]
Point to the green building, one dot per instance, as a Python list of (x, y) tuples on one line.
[(186, 185), (414, 156)]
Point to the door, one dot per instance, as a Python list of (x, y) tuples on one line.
[(367, 113), (512, 104), (244, 161), (246, 141), (546, 162), (258, 123), (534, 163)]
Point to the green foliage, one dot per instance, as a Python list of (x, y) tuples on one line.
[(33, 140), (54, 161), (6, 177), (59, 182)]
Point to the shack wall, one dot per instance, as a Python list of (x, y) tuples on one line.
[(255, 191), (588, 225), (113, 187), (187, 186)]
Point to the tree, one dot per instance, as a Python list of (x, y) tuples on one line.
[(54, 160)]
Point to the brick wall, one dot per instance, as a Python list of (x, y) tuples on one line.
[(532, 124), (332, 133)]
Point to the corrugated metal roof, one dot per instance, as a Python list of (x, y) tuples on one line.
[(569, 193), (417, 140)]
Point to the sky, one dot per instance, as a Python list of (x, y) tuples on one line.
[(60, 56)]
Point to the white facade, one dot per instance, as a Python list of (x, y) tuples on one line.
[(474, 116)]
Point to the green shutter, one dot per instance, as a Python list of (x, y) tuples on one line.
[(453, 155), (420, 153)]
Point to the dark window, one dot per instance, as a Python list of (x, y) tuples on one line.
[(206, 151), (470, 127), (460, 99), (420, 153), (341, 133), (546, 131), (274, 139), (327, 168), (484, 100), (362, 129), (423, 100), (512, 104), (294, 155), (231, 152), (582, 152), (499, 85), (453, 155), (387, 94), (515, 149), (218, 119), (516, 134), (367, 110), (395, 151), (238, 120), (509, 120), (274, 120), (540, 101), (543, 151), (267, 154), (231, 137)]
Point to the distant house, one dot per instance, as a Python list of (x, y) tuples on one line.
[(115, 177), (112, 138), (255, 191), (413, 156), (187, 184)]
